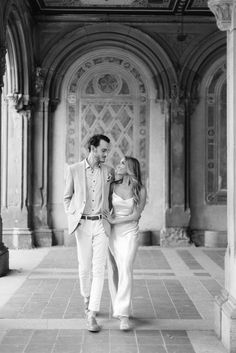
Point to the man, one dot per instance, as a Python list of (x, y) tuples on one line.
[(85, 198)]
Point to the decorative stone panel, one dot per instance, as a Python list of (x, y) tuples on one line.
[(78, 3), (108, 95), (216, 143)]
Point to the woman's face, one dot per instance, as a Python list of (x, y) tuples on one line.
[(121, 168)]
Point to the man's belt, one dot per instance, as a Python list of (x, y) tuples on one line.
[(92, 218)]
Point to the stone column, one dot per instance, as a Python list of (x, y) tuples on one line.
[(225, 304), (42, 231), (4, 253), (16, 172), (177, 210)]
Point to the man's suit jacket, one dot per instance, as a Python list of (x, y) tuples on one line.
[(75, 193)]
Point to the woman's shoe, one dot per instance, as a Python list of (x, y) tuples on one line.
[(124, 323)]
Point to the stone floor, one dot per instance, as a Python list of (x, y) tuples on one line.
[(172, 309)]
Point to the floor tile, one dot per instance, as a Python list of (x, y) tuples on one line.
[(15, 340), (175, 337), (124, 349), (12, 348), (36, 348), (66, 349), (189, 259), (217, 256), (92, 348), (69, 340), (122, 340), (180, 349), (152, 348)]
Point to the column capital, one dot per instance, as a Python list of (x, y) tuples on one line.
[(222, 9), (21, 104), (40, 103), (45, 103), (15, 101)]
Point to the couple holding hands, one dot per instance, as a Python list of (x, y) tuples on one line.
[(103, 208)]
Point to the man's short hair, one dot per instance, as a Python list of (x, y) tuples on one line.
[(95, 140)]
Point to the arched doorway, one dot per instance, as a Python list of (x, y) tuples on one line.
[(107, 94), (110, 91), (209, 159)]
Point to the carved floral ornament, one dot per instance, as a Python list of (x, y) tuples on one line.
[(108, 83), (222, 9)]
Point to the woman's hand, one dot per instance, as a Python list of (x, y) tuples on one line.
[(108, 217)]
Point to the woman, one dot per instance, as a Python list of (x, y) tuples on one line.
[(128, 198)]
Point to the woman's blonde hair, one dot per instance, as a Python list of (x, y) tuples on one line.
[(134, 174)]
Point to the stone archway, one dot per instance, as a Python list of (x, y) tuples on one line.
[(110, 91), (149, 59)]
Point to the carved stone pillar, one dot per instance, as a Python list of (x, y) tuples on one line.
[(42, 231), (16, 172), (177, 211), (225, 304), (4, 253)]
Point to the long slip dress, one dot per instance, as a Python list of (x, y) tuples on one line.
[(123, 245)]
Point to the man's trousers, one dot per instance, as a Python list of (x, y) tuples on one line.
[(92, 248)]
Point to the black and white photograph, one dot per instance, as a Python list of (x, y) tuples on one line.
[(117, 175)]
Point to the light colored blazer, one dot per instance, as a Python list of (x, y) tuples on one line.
[(75, 193)]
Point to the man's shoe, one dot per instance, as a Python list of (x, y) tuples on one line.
[(124, 323), (92, 324)]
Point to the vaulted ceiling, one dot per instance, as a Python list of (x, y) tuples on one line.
[(158, 7)]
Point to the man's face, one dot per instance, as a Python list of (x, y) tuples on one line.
[(100, 152)]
